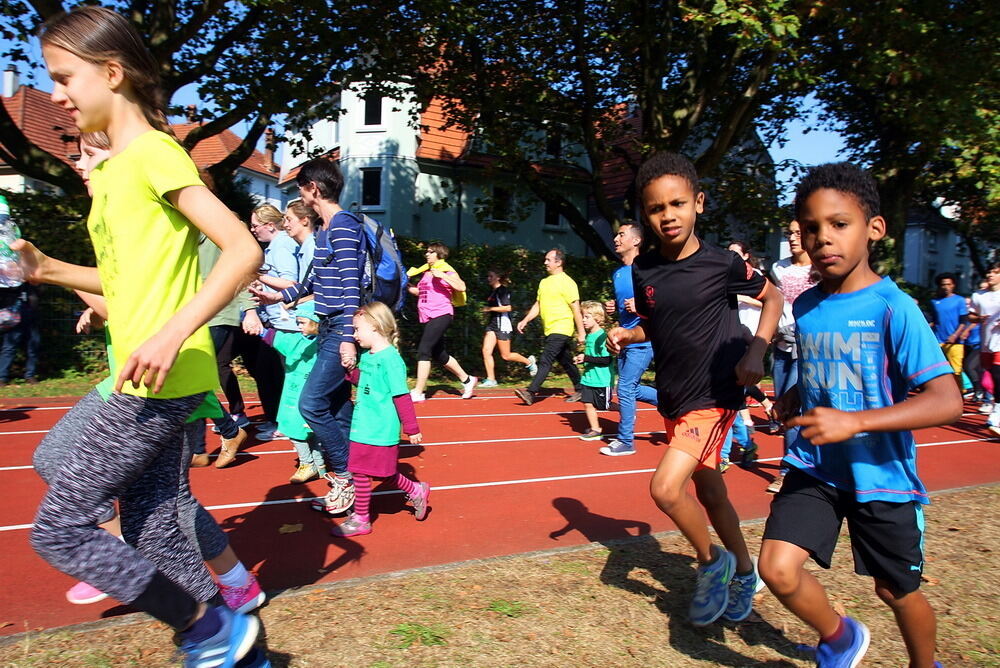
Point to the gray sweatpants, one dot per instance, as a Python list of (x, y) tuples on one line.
[(135, 450)]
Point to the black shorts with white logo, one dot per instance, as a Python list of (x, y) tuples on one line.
[(886, 538), (600, 397)]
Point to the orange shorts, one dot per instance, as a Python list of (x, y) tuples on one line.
[(701, 433)]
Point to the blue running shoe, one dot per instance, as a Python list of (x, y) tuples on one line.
[(741, 591), (711, 595), (850, 656), (233, 641)]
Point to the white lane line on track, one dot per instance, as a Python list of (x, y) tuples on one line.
[(500, 483)]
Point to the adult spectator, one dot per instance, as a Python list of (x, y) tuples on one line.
[(335, 282), (949, 319), (634, 359), (300, 225), (24, 298), (558, 302), (435, 310), (500, 329), (793, 276)]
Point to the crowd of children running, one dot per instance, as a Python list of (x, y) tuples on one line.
[(185, 288)]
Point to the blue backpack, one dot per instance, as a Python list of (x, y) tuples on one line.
[(383, 276)]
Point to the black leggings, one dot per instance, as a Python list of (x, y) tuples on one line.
[(431, 347), (557, 348), (973, 367)]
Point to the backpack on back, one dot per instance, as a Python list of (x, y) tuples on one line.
[(383, 276)]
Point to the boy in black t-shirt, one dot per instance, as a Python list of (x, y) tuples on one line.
[(686, 298)]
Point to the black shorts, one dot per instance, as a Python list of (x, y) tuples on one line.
[(501, 336), (886, 538), (600, 397)]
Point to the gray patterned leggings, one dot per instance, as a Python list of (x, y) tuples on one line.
[(135, 450)]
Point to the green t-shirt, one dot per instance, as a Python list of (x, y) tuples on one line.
[(556, 293), (383, 376), (593, 374), (147, 257), (299, 353)]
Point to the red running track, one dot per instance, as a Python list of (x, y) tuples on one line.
[(504, 476)]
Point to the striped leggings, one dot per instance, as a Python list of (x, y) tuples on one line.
[(135, 450)]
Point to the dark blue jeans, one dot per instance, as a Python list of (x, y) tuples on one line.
[(632, 363), (27, 333), (325, 402)]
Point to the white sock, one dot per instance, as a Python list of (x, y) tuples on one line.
[(237, 577)]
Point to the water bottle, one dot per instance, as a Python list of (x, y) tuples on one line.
[(11, 274)]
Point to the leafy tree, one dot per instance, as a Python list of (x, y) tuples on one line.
[(250, 60), (601, 81)]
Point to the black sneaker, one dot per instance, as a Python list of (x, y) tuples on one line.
[(524, 395), (591, 435), (573, 398)]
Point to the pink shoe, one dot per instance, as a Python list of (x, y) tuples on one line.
[(352, 526), (82, 593), (419, 500), (243, 599)]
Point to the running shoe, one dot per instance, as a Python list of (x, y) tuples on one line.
[(723, 464), (243, 599), (617, 449), (987, 407), (532, 365), (469, 386), (776, 484), (340, 497), (233, 641), (419, 500), (525, 395), (773, 426), (352, 526), (270, 435), (304, 473), (741, 591), (83, 594), (489, 382), (573, 398), (850, 656), (230, 446), (711, 596), (591, 435), (417, 397), (994, 428)]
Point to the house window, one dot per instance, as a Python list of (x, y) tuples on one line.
[(553, 143), (371, 187), (502, 201), (553, 221), (373, 109)]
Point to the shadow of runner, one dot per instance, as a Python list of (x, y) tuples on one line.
[(676, 575), (287, 543)]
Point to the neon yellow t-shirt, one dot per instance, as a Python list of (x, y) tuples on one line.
[(555, 294), (147, 257)]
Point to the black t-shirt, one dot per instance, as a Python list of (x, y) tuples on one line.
[(689, 311), (499, 321)]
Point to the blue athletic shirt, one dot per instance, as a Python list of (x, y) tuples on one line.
[(858, 351), (947, 313), (621, 280)]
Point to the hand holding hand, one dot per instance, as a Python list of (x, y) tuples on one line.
[(348, 354), (578, 359), (824, 425), (264, 297)]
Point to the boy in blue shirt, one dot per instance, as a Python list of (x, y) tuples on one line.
[(950, 317), (864, 345)]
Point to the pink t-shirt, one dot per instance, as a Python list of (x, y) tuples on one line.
[(435, 297)]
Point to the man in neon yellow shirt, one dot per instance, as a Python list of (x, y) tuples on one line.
[(558, 302)]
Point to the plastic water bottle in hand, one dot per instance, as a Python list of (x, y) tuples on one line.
[(11, 274)]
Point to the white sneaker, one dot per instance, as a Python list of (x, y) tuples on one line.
[(488, 383), (469, 386), (987, 407), (417, 397), (532, 365)]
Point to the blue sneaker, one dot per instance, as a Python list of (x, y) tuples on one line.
[(255, 658), (711, 596), (741, 591), (617, 449), (233, 641), (849, 657)]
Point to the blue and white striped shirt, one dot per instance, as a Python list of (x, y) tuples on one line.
[(335, 283)]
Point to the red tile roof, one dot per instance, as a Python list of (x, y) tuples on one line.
[(50, 127), (436, 141)]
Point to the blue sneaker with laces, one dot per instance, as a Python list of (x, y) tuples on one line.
[(852, 649), (233, 640), (711, 595), (741, 591)]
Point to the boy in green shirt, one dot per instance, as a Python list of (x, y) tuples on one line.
[(597, 375)]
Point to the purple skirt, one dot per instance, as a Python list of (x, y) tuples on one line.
[(374, 460)]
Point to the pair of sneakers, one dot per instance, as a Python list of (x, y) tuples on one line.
[(720, 592), (468, 389), (357, 525), (239, 599)]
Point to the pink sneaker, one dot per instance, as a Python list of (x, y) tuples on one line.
[(82, 593), (419, 500), (243, 599), (352, 526)]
